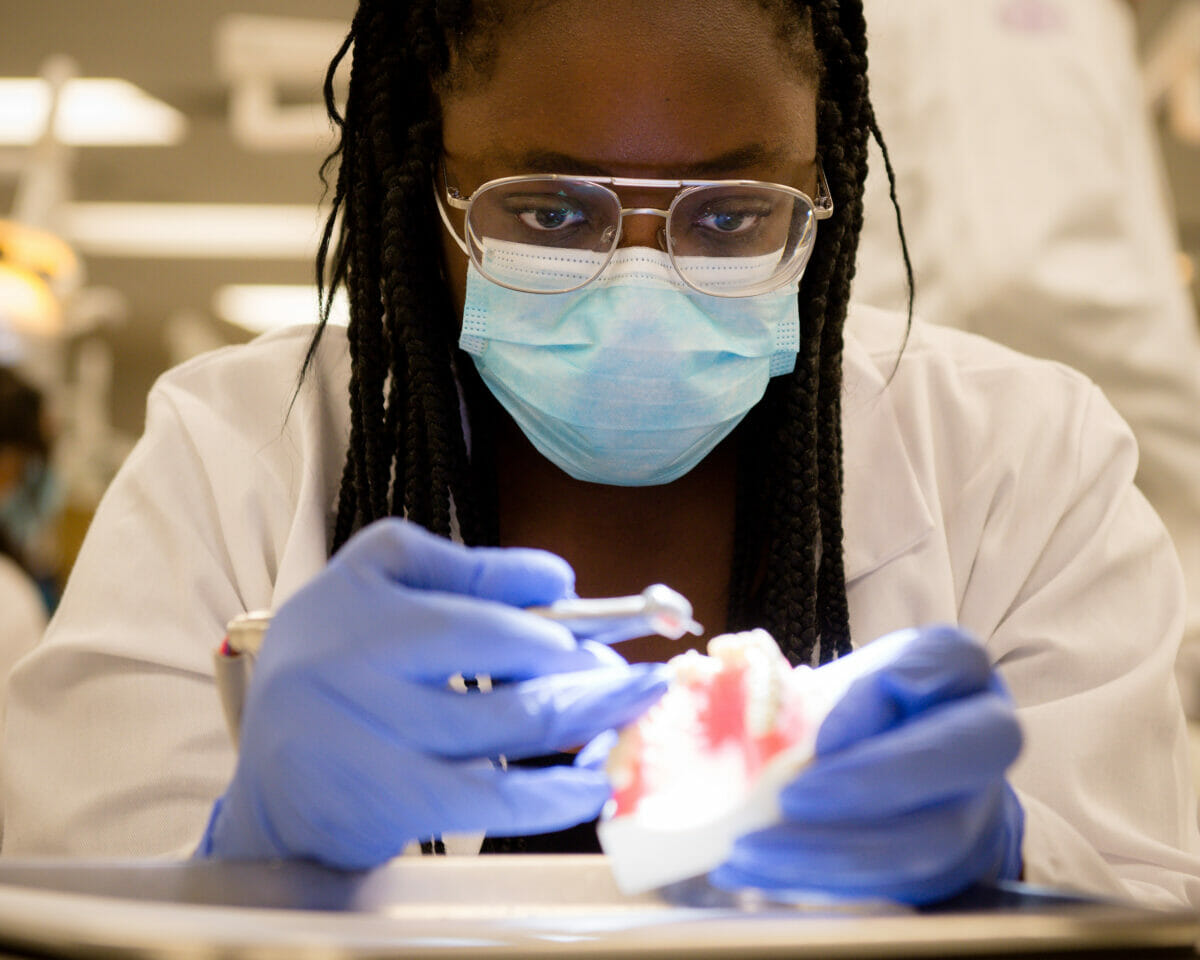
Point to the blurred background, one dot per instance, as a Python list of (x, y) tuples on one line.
[(1170, 34), (172, 203), (159, 192)]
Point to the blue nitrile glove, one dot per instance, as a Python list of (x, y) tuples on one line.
[(907, 798), (353, 745)]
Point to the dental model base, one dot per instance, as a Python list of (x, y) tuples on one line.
[(706, 763)]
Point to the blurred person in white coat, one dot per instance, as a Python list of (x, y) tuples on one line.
[(24, 450), (1034, 208)]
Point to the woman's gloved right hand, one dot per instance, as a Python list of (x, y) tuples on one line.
[(352, 743)]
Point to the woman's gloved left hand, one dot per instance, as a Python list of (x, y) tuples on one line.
[(907, 797)]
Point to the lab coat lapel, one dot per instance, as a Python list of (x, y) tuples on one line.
[(884, 508)]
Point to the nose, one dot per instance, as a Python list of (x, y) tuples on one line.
[(643, 227)]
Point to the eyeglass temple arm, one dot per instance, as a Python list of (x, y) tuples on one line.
[(441, 207), (823, 201)]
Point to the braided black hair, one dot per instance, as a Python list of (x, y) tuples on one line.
[(407, 451)]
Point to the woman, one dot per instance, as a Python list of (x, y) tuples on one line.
[(651, 381)]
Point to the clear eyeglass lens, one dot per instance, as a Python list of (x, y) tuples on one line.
[(739, 239), (727, 239), (552, 213)]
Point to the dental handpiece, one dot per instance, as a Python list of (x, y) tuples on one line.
[(657, 609)]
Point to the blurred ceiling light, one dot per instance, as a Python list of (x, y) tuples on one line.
[(263, 307), (263, 59), (43, 253), (209, 231), (37, 269), (92, 112)]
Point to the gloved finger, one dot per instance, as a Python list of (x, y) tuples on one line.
[(956, 748), (429, 636), (937, 664), (412, 796), (377, 796), (594, 754), (919, 857), (609, 632), (604, 654), (406, 553), (520, 800), (525, 719)]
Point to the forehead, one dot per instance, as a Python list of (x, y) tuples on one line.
[(635, 87)]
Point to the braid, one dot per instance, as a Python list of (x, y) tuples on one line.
[(847, 89), (795, 508), (407, 454), (407, 448)]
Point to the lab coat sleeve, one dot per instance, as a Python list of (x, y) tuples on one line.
[(115, 742), (1087, 645)]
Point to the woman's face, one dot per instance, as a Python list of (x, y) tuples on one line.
[(633, 88)]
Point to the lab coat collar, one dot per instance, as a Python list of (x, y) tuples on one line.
[(885, 512)]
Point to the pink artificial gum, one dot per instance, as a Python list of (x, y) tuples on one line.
[(705, 764)]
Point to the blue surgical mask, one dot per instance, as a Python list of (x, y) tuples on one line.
[(26, 511), (633, 379)]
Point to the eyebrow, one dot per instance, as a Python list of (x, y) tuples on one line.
[(749, 155)]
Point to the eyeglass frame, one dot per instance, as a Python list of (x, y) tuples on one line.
[(822, 207)]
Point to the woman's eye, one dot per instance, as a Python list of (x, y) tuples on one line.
[(730, 222), (550, 217)]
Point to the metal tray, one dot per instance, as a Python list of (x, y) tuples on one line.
[(521, 906)]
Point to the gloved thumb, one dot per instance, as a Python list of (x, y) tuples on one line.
[(595, 753), (913, 671)]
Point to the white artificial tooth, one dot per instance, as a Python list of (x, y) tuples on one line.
[(762, 692), (623, 758), (692, 666), (755, 650)]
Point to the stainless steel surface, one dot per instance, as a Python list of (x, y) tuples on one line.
[(520, 906)]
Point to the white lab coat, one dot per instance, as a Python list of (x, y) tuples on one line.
[(22, 616), (1031, 187), (22, 621), (981, 487)]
